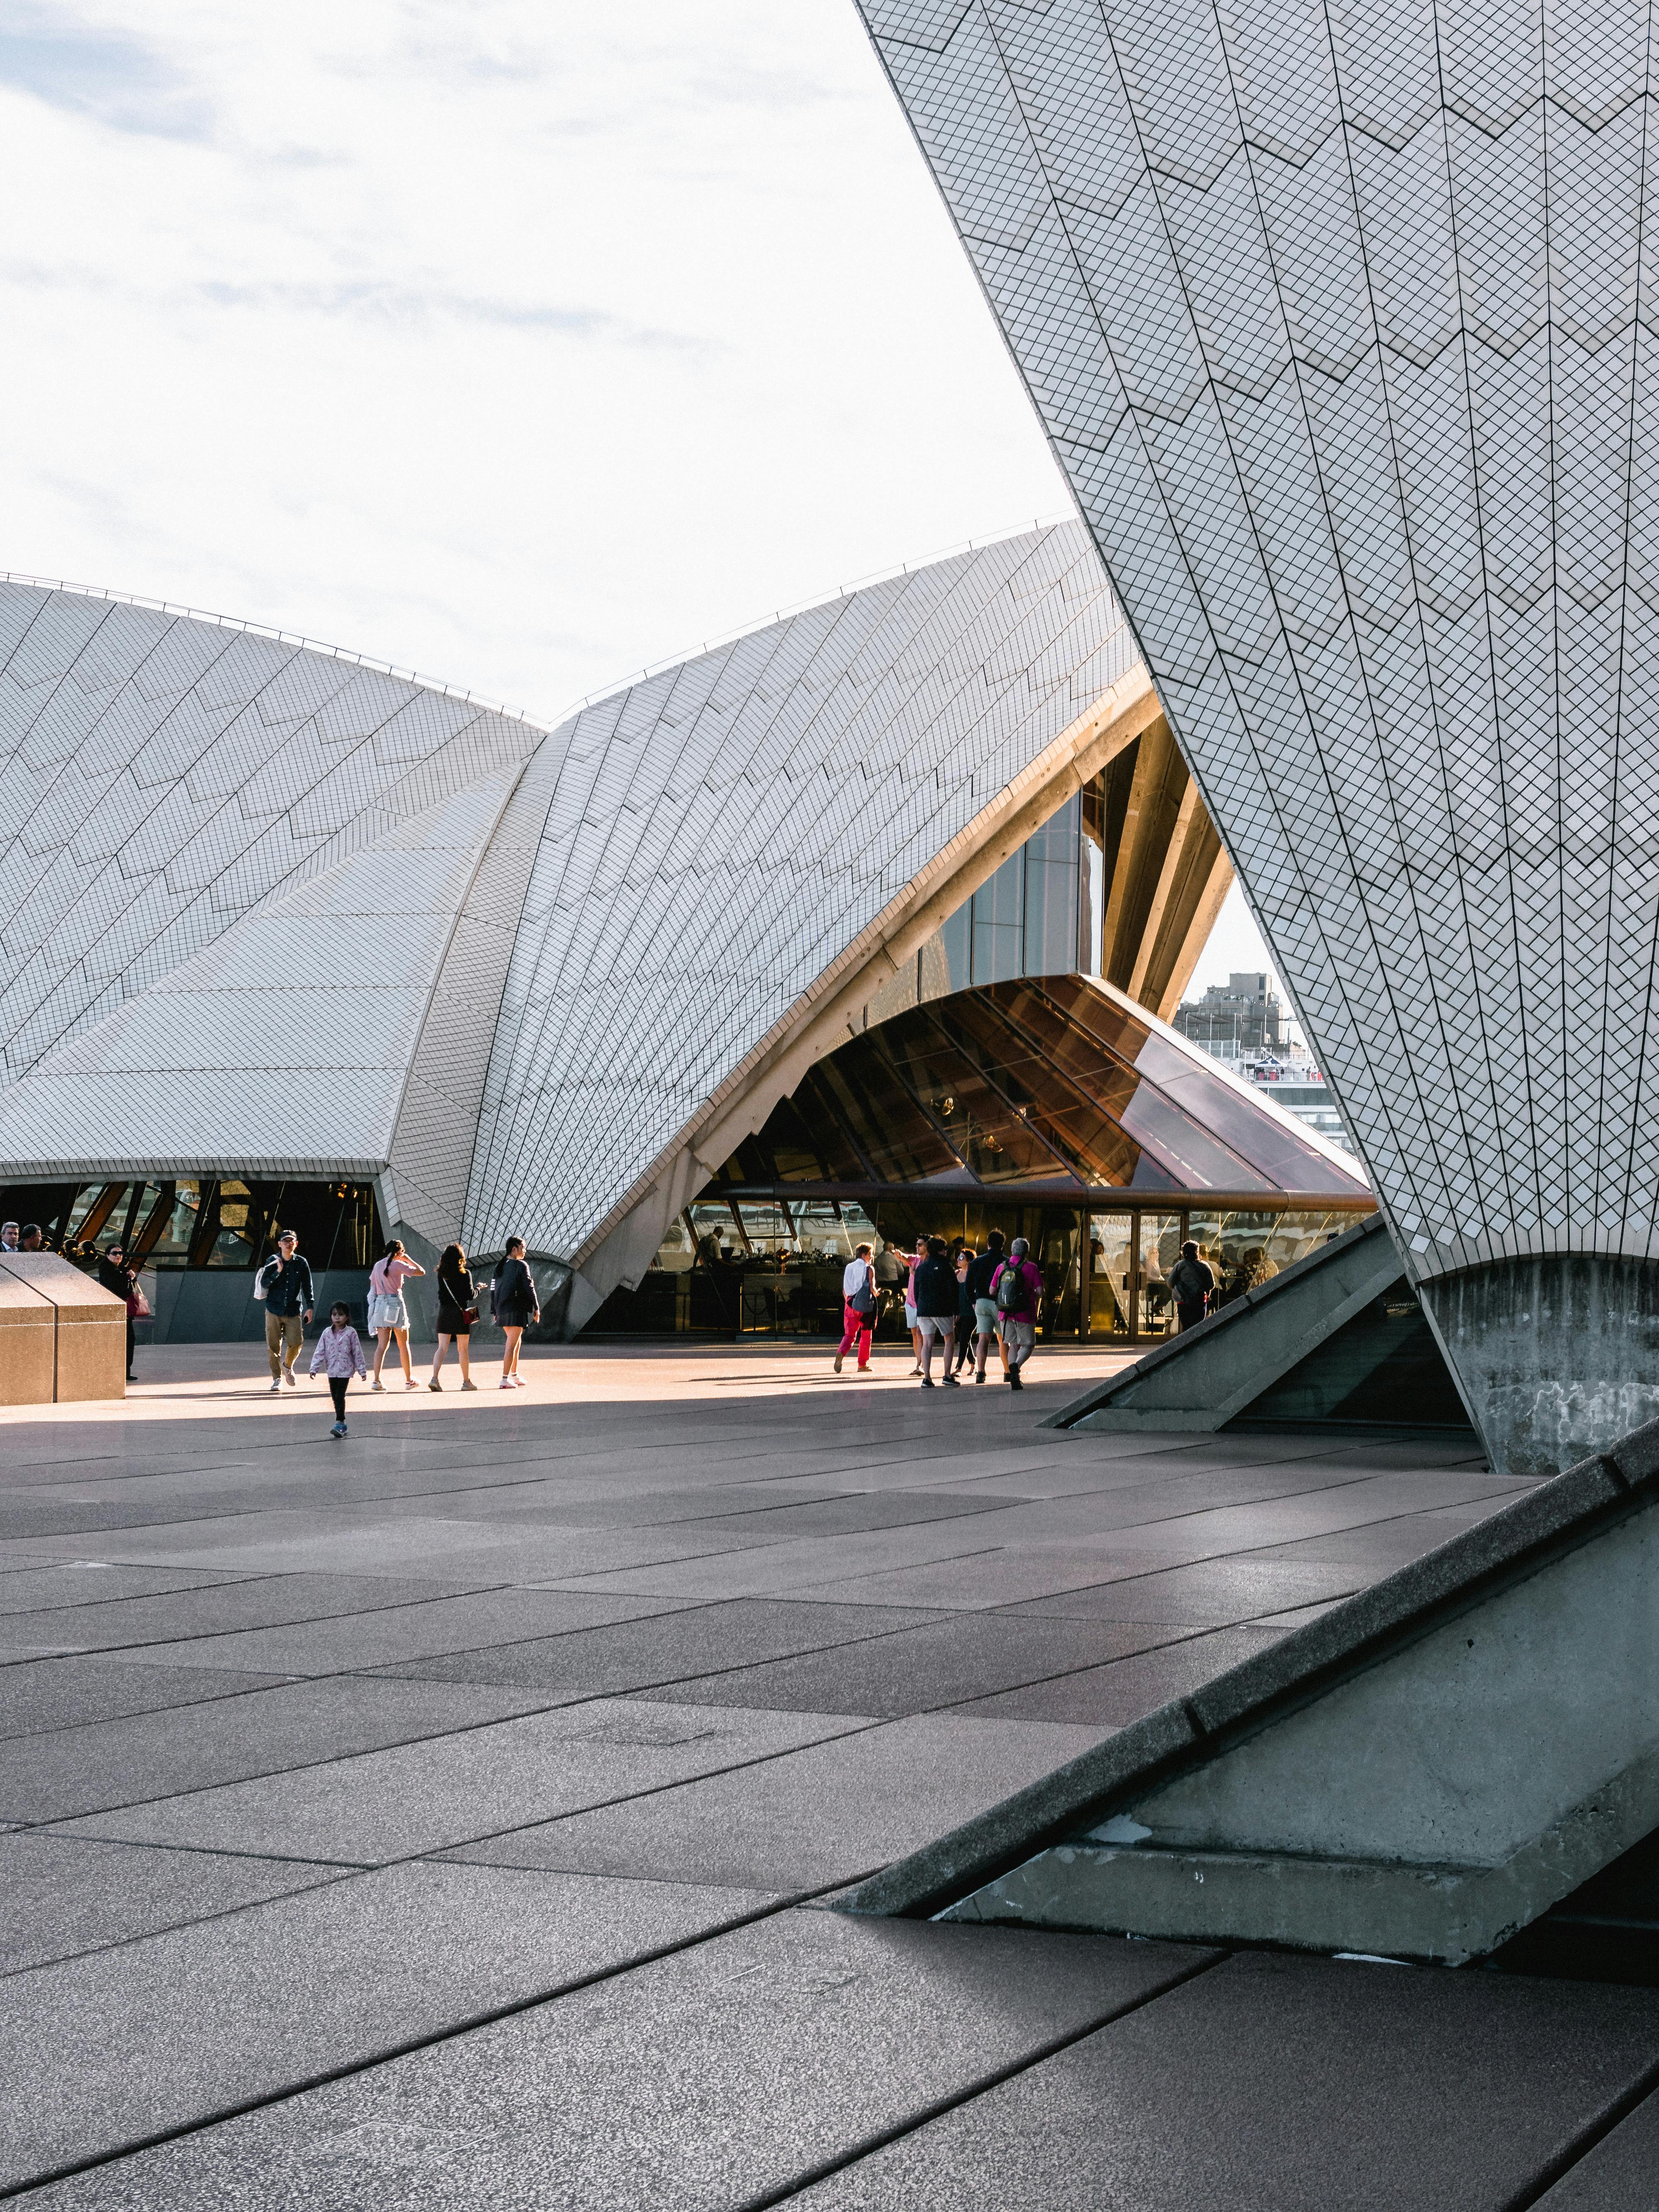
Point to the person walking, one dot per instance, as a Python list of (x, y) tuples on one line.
[(1016, 1290), (339, 1355), (388, 1316), (283, 1284), (458, 1309), (858, 1294), (964, 1268), (980, 1276), (935, 1291), (910, 1262), (117, 1277), (515, 1305), (1192, 1281)]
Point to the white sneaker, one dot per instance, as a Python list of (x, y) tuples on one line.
[(276, 1389), (287, 1377), (377, 1386), (518, 1381), (506, 1382)]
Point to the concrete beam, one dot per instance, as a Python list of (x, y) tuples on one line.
[(1419, 1773)]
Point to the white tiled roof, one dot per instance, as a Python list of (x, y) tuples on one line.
[(262, 907), (1340, 322)]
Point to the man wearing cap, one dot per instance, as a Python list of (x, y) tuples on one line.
[(285, 1283)]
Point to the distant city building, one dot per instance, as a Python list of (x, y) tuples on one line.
[(1242, 1016)]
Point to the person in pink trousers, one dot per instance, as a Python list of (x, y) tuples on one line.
[(858, 1290)]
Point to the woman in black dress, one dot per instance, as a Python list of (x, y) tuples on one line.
[(513, 1294), (458, 1309)]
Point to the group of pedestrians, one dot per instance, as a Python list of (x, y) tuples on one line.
[(285, 1287), (964, 1302)]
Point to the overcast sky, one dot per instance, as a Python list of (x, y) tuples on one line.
[(521, 342)]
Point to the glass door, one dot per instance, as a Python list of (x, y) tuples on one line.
[(1109, 1310), (1158, 1247)]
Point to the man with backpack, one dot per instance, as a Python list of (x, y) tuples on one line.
[(1191, 1282), (1016, 1290), (283, 1284)]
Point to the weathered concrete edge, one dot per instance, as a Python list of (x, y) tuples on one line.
[(1404, 1606), (1446, 1913), (1101, 1395)]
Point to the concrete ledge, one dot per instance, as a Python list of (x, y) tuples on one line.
[(1352, 1641)]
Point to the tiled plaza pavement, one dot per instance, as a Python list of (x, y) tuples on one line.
[(446, 1817)]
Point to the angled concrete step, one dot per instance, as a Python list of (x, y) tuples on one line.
[(1339, 1336), (1419, 1773)]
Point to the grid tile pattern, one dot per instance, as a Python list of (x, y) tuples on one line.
[(1340, 322), (266, 908), (720, 833)]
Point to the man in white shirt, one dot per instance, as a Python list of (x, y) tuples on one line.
[(858, 1290)]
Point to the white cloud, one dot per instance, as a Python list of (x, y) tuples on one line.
[(522, 343)]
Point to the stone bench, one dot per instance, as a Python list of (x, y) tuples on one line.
[(62, 1335)]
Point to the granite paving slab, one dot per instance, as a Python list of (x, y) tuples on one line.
[(714, 2078), (64, 1894), (57, 1694), (93, 1582), (1620, 2174), (1110, 1697), (965, 1656), (221, 1607), (447, 1790), (805, 1566), (1375, 1549), (1212, 1593), (671, 1646), (361, 1641), (1277, 2084), (819, 1816), (175, 2027), (55, 1774), (348, 1541)]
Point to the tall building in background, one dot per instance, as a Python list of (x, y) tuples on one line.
[(1239, 1016), (1339, 323)]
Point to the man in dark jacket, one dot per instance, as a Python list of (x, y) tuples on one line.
[(118, 1278), (936, 1309), (286, 1281), (1191, 1283)]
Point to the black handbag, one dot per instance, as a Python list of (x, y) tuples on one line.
[(863, 1300)]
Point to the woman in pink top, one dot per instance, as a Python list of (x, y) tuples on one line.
[(388, 1316)]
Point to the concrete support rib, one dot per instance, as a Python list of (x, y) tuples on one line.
[(1418, 1774)]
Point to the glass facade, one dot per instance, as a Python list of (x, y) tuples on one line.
[(212, 1222), (1050, 1110)]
